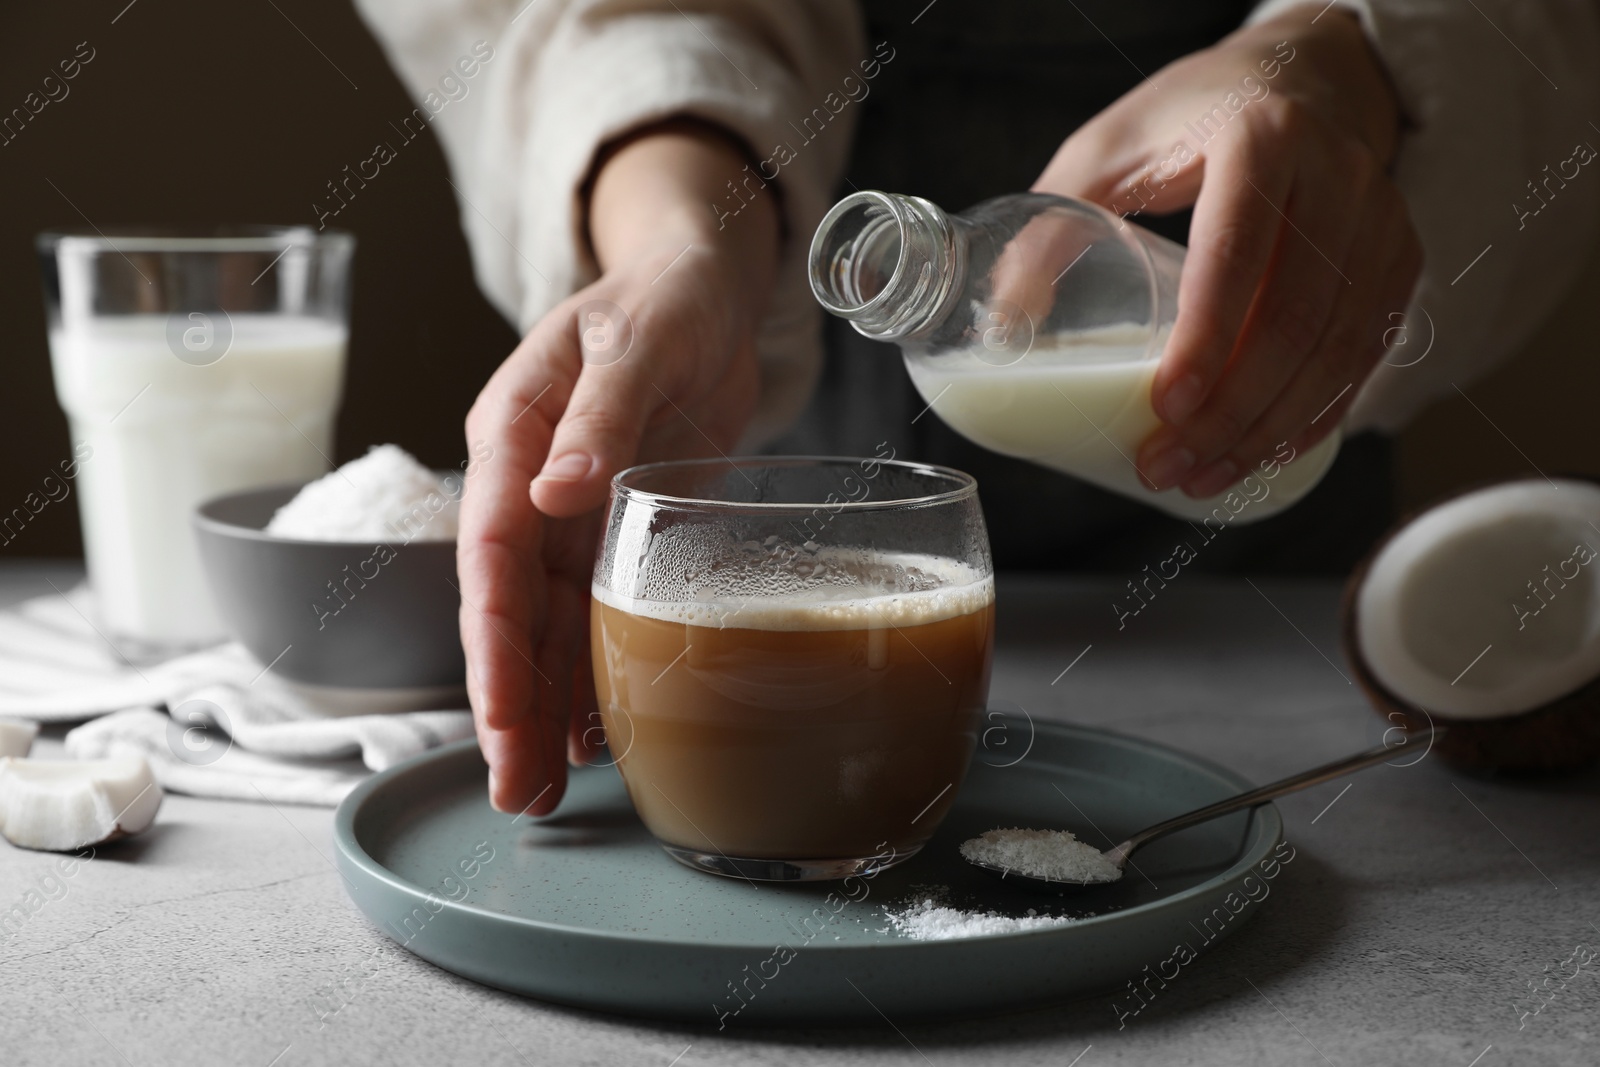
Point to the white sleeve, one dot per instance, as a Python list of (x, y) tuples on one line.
[(566, 76), (1495, 168)]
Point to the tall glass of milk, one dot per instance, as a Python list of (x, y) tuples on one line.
[(188, 366), (1033, 325)]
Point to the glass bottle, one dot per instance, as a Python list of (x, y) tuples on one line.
[(1033, 325)]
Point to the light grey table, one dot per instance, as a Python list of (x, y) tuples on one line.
[(1420, 905)]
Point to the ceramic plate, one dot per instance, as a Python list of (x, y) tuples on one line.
[(583, 908)]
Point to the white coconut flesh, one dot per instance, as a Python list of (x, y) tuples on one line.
[(62, 805), (1489, 604), (16, 738)]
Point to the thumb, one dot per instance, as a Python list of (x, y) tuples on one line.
[(599, 432)]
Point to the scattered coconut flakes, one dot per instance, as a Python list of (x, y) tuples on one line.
[(1055, 855), (386, 496), (928, 921)]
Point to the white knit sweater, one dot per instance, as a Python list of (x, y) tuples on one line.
[(1496, 92)]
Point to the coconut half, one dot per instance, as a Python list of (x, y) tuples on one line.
[(16, 738), (1483, 614), (65, 805)]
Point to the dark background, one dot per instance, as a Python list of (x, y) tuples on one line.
[(200, 113), (196, 112)]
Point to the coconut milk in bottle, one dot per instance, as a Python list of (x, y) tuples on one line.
[(1033, 325)]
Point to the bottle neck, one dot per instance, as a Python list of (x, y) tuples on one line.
[(890, 264)]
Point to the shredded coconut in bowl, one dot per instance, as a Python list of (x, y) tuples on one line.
[(385, 496), (1055, 855)]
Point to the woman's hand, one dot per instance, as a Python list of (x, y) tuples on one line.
[(1300, 246), (655, 360)]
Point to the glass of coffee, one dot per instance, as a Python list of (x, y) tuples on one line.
[(791, 657)]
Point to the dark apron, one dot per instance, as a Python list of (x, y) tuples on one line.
[(976, 100)]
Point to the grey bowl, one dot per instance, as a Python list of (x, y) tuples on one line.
[(324, 613)]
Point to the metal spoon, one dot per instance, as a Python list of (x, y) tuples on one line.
[(1119, 854)]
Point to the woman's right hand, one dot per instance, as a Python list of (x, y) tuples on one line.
[(656, 360)]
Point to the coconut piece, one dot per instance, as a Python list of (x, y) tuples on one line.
[(65, 805), (16, 737), (1482, 614)]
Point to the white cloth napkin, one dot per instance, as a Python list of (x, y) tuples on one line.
[(214, 723)]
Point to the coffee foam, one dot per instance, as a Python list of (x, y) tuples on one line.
[(941, 589)]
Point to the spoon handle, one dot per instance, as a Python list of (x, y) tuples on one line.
[(1294, 783)]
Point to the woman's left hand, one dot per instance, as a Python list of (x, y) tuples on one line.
[(1300, 248)]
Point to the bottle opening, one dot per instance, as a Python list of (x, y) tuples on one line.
[(885, 262), (857, 252)]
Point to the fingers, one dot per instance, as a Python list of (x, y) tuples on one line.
[(1125, 160), (1024, 279), (501, 534), (599, 430), (1288, 318), (619, 391), (537, 413), (1231, 241), (597, 437), (504, 589), (518, 781), (1383, 267), (560, 645)]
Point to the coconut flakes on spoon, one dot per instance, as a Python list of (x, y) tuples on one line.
[(1053, 855)]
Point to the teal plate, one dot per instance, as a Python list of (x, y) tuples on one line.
[(583, 908)]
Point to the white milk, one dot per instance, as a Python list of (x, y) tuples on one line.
[(168, 435), (1082, 406)]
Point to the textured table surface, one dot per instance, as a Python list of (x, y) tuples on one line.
[(1420, 911)]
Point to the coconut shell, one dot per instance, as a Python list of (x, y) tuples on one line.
[(1560, 736)]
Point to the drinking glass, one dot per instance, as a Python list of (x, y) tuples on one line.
[(791, 657), (189, 365)]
